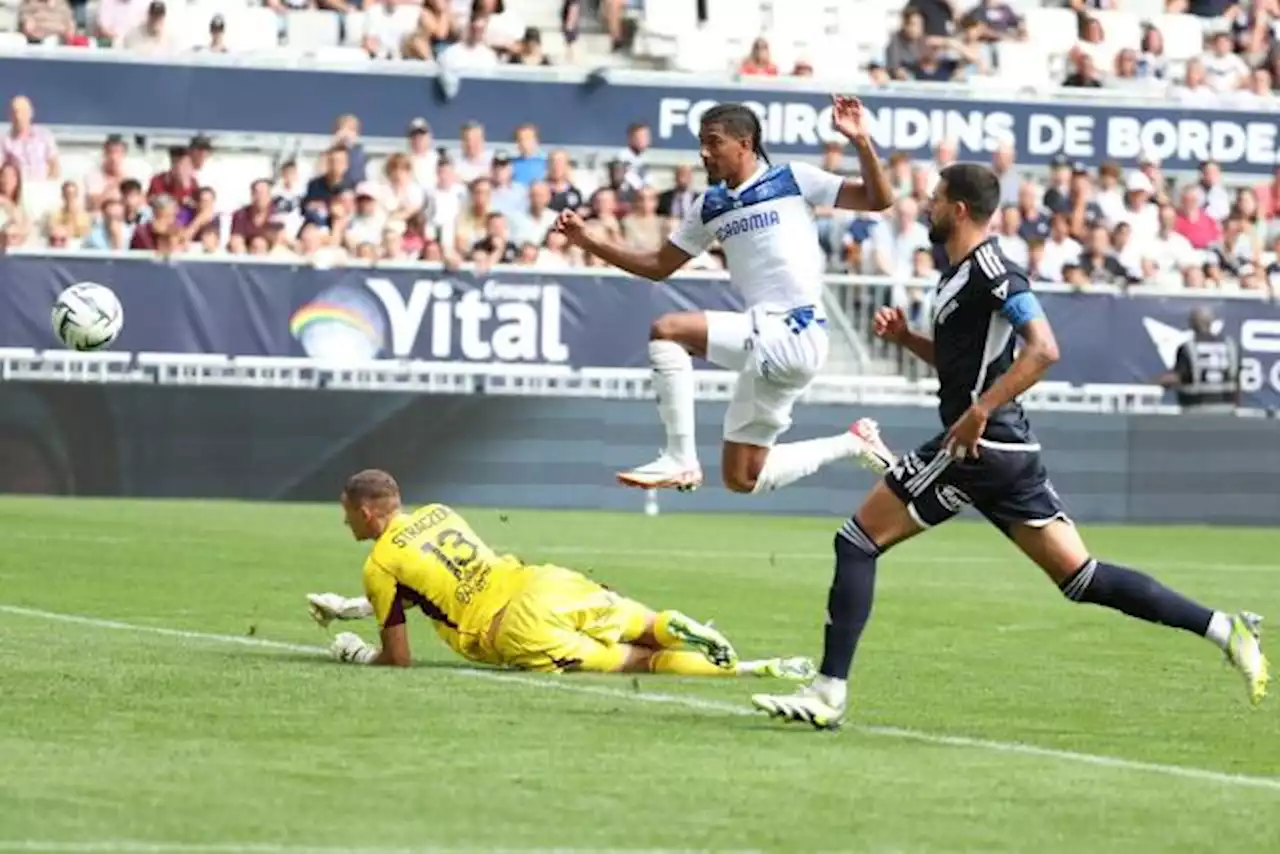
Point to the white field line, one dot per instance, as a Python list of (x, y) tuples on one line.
[(569, 685), (1154, 561), (124, 846)]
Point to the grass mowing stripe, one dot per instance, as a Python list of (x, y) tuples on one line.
[(123, 846), (556, 683)]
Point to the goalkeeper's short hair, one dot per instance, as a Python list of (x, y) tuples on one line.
[(371, 485)]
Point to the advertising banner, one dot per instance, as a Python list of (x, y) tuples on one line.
[(592, 111)]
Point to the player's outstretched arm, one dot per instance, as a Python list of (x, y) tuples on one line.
[(875, 191), (654, 266), (891, 325)]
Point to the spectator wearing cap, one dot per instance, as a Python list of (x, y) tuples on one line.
[(1033, 220), (1139, 213), (1060, 248), (998, 21), (104, 179), (1216, 200), (254, 218), (401, 195), (162, 230), (677, 201), (1002, 164), (1224, 70), (471, 53), (532, 224), (1200, 229), (530, 163), (110, 232), (474, 159), (424, 157), (30, 146), (178, 182), (346, 133), (217, 36), (473, 219), (46, 21), (333, 180), (1194, 88), (528, 50), (152, 37), (635, 155), (382, 31), (509, 198), (369, 219), (564, 195)]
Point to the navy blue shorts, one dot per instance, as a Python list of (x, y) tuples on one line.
[(1007, 484)]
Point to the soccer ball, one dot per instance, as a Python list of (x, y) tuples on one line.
[(87, 316)]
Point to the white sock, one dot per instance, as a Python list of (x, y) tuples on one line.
[(832, 691), (788, 463), (673, 383), (1219, 630)]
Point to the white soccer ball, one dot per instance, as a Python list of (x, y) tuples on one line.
[(87, 316)]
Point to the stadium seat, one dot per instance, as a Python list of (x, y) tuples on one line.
[(1121, 28), (1021, 63), (341, 55), (664, 24), (1183, 36), (13, 40), (254, 28), (1052, 30), (308, 30), (353, 25), (739, 21), (867, 25)]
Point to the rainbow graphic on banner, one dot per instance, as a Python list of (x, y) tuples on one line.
[(342, 324)]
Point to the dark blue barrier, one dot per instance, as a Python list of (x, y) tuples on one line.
[(520, 317), (591, 112), (359, 314)]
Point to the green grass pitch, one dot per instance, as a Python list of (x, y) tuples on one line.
[(989, 715)]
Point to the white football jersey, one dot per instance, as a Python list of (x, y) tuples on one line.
[(768, 232)]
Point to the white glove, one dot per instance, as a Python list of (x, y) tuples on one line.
[(326, 607), (348, 647)]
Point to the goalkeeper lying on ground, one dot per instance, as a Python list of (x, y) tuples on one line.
[(497, 610)]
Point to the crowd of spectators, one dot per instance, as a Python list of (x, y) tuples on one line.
[(491, 203)]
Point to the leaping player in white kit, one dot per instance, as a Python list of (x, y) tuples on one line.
[(762, 216)]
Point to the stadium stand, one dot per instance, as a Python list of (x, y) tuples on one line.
[(492, 201)]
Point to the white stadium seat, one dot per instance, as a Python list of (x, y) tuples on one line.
[(666, 27), (1121, 28), (253, 29), (307, 30), (736, 20), (1183, 36), (353, 26), (1053, 30), (340, 55)]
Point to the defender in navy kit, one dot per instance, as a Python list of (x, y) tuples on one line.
[(987, 456)]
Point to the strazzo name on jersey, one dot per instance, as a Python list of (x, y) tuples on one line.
[(744, 224)]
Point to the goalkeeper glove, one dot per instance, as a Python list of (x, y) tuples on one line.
[(326, 607), (349, 648)]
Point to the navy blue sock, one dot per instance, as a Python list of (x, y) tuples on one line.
[(849, 600), (1136, 594)]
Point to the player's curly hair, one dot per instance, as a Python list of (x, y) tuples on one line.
[(740, 122), (370, 485)]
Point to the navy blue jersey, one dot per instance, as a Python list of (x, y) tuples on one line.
[(979, 306)]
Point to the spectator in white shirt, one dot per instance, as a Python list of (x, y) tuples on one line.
[(152, 36), (1169, 253), (118, 17), (893, 242), (370, 219), (1215, 199), (633, 156), (533, 224), (1142, 217), (1224, 70), (447, 200), (474, 160), (1011, 243), (1060, 249), (423, 154), (471, 53), (1109, 194), (1128, 252), (1258, 93), (382, 30), (1195, 88)]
